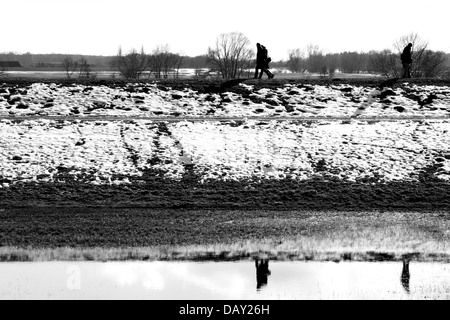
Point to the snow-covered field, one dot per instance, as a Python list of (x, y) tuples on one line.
[(290, 100), (109, 151), (117, 151)]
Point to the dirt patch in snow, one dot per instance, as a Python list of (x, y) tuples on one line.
[(205, 84)]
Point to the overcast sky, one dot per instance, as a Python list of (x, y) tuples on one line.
[(189, 27)]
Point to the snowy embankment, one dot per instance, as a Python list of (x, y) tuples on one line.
[(152, 100), (123, 150)]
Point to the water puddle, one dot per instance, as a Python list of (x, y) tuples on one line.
[(242, 280)]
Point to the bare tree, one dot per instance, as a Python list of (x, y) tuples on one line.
[(297, 61), (162, 61), (417, 52), (69, 66), (171, 61), (351, 62), (434, 64), (426, 63), (331, 63), (385, 63), (231, 55), (178, 59), (156, 61), (316, 62), (132, 65), (85, 70), (447, 66)]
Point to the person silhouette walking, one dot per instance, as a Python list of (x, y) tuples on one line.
[(406, 61), (262, 62)]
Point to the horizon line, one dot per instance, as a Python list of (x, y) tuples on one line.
[(186, 55)]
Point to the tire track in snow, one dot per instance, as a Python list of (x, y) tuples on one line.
[(133, 154)]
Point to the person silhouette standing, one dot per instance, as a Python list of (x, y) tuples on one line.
[(406, 61), (262, 62)]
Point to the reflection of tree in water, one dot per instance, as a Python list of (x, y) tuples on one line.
[(405, 274), (262, 272)]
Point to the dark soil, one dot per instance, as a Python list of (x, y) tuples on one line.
[(221, 85), (157, 192)]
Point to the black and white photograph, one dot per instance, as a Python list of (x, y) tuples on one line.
[(224, 156)]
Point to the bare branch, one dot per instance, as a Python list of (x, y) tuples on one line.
[(69, 66), (231, 55)]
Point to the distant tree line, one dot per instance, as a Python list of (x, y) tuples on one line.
[(426, 62), (31, 60), (232, 56), (159, 64), (81, 66)]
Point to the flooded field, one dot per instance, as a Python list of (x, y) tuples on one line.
[(102, 74), (243, 280)]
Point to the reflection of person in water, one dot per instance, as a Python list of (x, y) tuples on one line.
[(405, 274), (262, 272)]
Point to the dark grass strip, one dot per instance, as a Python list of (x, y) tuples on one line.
[(152, 190)]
